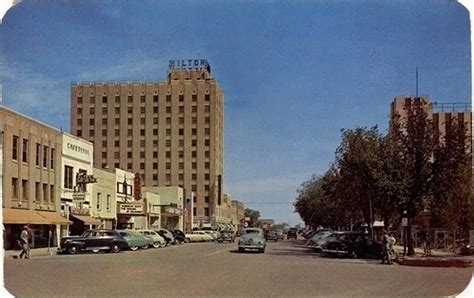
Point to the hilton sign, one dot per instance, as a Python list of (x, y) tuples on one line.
[(197, 64)]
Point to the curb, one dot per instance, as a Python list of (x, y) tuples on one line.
[(434, 262)]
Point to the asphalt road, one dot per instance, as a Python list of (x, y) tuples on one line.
[(286, 268)]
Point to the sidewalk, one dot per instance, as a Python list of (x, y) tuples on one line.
[(437, 259), (34, 252)]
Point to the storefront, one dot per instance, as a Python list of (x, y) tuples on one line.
[(131, 216), (170, 217)]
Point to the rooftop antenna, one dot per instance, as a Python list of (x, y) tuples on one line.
[(416, 81)]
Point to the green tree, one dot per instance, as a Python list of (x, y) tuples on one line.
[(254, 217)]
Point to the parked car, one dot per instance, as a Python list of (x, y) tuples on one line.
[(179, 236), (211, 234), (93, 240), (226, 236), (317, 242), (167, 235), (157, 240), (198, 236), (254, 239), (354, 245), (135, 239), (271, 235), (280, 235), (292, 233), (318, 235)]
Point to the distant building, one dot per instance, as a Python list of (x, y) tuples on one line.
[(169, 132), (266, 223)]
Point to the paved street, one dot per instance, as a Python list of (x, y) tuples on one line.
[(211, 269)]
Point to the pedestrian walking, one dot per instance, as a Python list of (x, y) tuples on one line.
[(25, 242), (391, 243), (385, 249), (426, 242)]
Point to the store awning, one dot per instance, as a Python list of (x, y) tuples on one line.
[(26, 216), (53, 218), (87, 220)]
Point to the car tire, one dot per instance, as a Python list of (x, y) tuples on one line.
[(133, 248), (73, 249), (188, 240), (115, 247), (95, 250), (156, 244), (262, 250), (145, 246)]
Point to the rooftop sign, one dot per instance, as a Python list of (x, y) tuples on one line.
[(195, 64)]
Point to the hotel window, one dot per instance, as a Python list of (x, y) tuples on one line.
[(194, 154), (117, 132), (168, 143), (142, 98), (91, 111), (193, 143), (117, 99), (104, 132), (79, 100), (206, 187), (168, 166), (194, 131), (52, 158), (45, 156), (194, 177), (181, 109), (130, 110), (142, 143), (194, 97), (142, 166), (207, 131), (181, 143), (52, 194), (91, 133), (168, 120), (37, 192), (129, 154), (15, 146), (92, 100), (142, 154), (206, 176), (168, 109), (91, 121), (155, 165), (79, 133), (206, 165), (194, 211), (206, 142), (155, 132), (207, 120), (116, 143), (155, 154), (142, 110), (181, 177), (168, 177), (181, 120), (194, 120), (79, 111), (194, 165), (181, 154), (117, 110), (104, 154), (207, 109), (155, 98), (155, 177), (129, 143), (68, 176), (168, 132), (155, 109), (104, 99), (108, 202), (104, 110), (117, 154), (142, 132), (142, 121), (24, 150), (15, 188), (168, 98), (193, 187), (181, 165), (98, 201), (194, 109), (104, 121), (206, 153), (168, 154), (24, 189), (130, 98), (207, 97), (181, 97), (181, 131), (79, 122), (129, 133), (38, 154), (206, 199), (116, 165)]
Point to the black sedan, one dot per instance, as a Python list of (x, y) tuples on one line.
[(271, 235), (93, 240), (354, 245)]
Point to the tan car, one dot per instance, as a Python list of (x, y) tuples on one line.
[(158, 241)]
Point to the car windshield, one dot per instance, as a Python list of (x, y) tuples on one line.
[(252, 232)]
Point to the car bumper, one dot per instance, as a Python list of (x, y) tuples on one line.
[(61, 250), (251, 246), (335, 251)]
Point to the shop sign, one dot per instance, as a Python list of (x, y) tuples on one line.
[(172, 210), (130, 208), (78, 196), (83, 178), (79, 211)]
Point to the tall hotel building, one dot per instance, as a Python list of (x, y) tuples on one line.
[(170, 132)]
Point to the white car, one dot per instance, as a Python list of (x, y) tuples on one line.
[(158, 241), (198, 236)]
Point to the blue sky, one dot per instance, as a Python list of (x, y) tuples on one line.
[(293, 73)]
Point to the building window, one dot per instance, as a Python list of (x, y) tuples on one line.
[(142, 132), (194, 154), (181, 120), (130, 99), (24, 189), (194, 187), (181, 177), (68, 177), (168, 109), (79, 100), (117, 121), (98, 201), (155, 120), (79, 111), (130, 110), (181, 131), (79, 122), (206, 199), (194, 120), (104, 132), (37, 192), (142, 121), (79, 133), (91, 133), (117, 99), (91, 111), (142, 110), (155, 98), (104, 110), (116, 165), (194, 165), (52, 194), (142, 98), (207, 120), (168, 143), (38, 154), (155, 165), (168, 166), (168, 132), (129, 154), (104, 121), (142, 154), (117, 110), (155, 154), (181, 143), (129, 132), (207, 109), (92, 100), (53, 153), (193, 143), (168, 120), (104, 143), (15, 188), (91, 121), (45, 191), (108, 202), (155, 109), (206, 165), (206, 187), (168, 98), (155, 132), (207, 97), (104, 99), (117, 154), (129, 143), (194, 131), (142, 143), (181, 165), (206, 176), (194, 97), (117, 132), (45, 156), (24, 148), (206, 142), (181, 109), (194, 109), (206, 153), (181, 154), (181, 97), (194, 211), (168, 154), (15, 145), (206, 211), (194, 177), (129, 166), (207, 131), (168, 177), (155, 177), (116, 144)]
